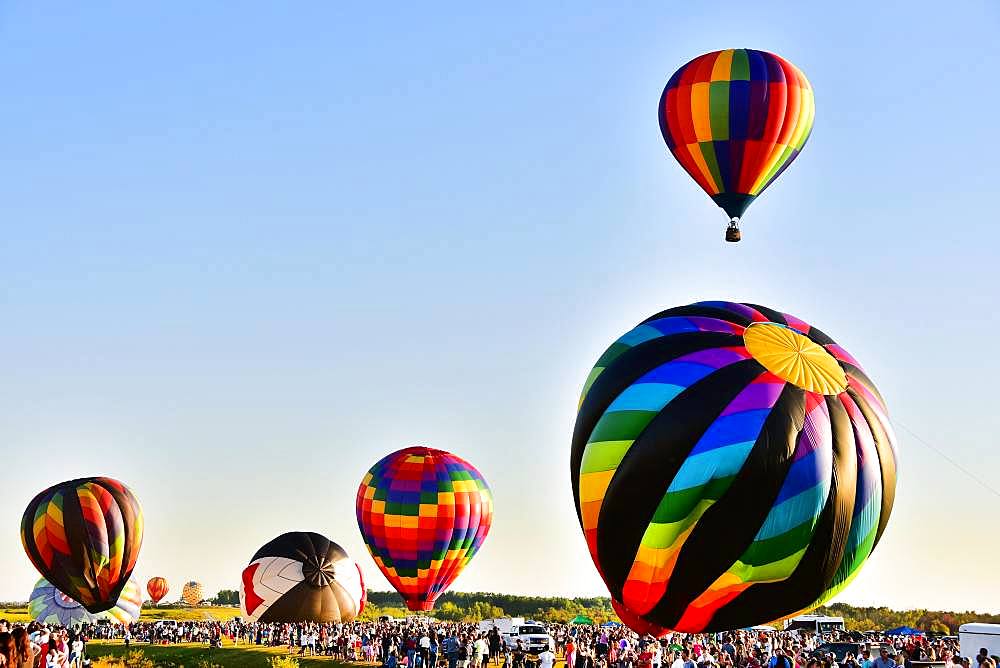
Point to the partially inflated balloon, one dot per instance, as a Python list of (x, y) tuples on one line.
[(129, 604), (735, 119), (302, 577), (84, 536), (192, 593), (50, 606), (424, 514), (157, 588), (732, 465)]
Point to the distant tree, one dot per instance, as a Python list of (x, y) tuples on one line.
[(937, 626), (227, 597)]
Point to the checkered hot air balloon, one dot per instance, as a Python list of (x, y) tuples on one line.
[(735, 119), (192, 593), (84, 536), (424, 514), (732, 465)]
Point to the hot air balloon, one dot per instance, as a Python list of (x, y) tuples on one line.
[(84, 536), (192, 593), (50, 606), (157, 588), (129, 605), (732, 465), (302, 577), (735, 119), (424, 514)]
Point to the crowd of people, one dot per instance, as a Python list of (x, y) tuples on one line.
[(433, 644)]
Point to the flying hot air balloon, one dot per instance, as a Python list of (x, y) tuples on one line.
[(424, 514), (302, 577), (735, 119), (83, 536), (157, 588), (192, 593), (730, 420)]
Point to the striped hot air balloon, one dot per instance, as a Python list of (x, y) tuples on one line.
[(157, 588), (732, 465), (84, 536), (735, 119), (423, 513)]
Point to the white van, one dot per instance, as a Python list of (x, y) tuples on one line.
[(973, 637), (533, 636)]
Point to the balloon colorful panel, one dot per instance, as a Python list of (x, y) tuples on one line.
[(735, 119), (424, 514), (84, 537), (731, 466)]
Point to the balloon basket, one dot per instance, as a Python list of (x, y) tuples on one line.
[(733, 232)]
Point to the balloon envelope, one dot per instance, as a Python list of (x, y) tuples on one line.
[(84, 536), (192, 593), (302, 577), (50, 606), (734, 120), (423, 513), (157, 588), (732, 465)]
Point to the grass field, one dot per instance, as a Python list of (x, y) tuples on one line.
[(190, 655), (150, 613)]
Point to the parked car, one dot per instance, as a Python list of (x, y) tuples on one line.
[(840, 650)]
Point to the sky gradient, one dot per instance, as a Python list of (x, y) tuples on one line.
[(249, 251)]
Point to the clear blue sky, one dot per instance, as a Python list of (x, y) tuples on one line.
[(246, 251)]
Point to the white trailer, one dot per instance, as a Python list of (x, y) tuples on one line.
[(973, 637)]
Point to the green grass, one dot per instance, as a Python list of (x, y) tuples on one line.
[(149, 613), (15, 615), (190, 654), (219, 614)]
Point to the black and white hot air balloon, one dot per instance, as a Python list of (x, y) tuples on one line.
[(302, 577)]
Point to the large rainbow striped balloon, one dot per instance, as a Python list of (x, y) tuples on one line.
[(84, 537), (423, 513), (735, 119), (731, 465)]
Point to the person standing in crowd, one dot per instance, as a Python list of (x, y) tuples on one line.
[(424, 646), (76, 652), (482, 650), (779, 660), (24, 653), (451, 648), (8, 651), (883, 660), (570, 652), (493, 637)]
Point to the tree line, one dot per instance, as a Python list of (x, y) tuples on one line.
[(462, 606)]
